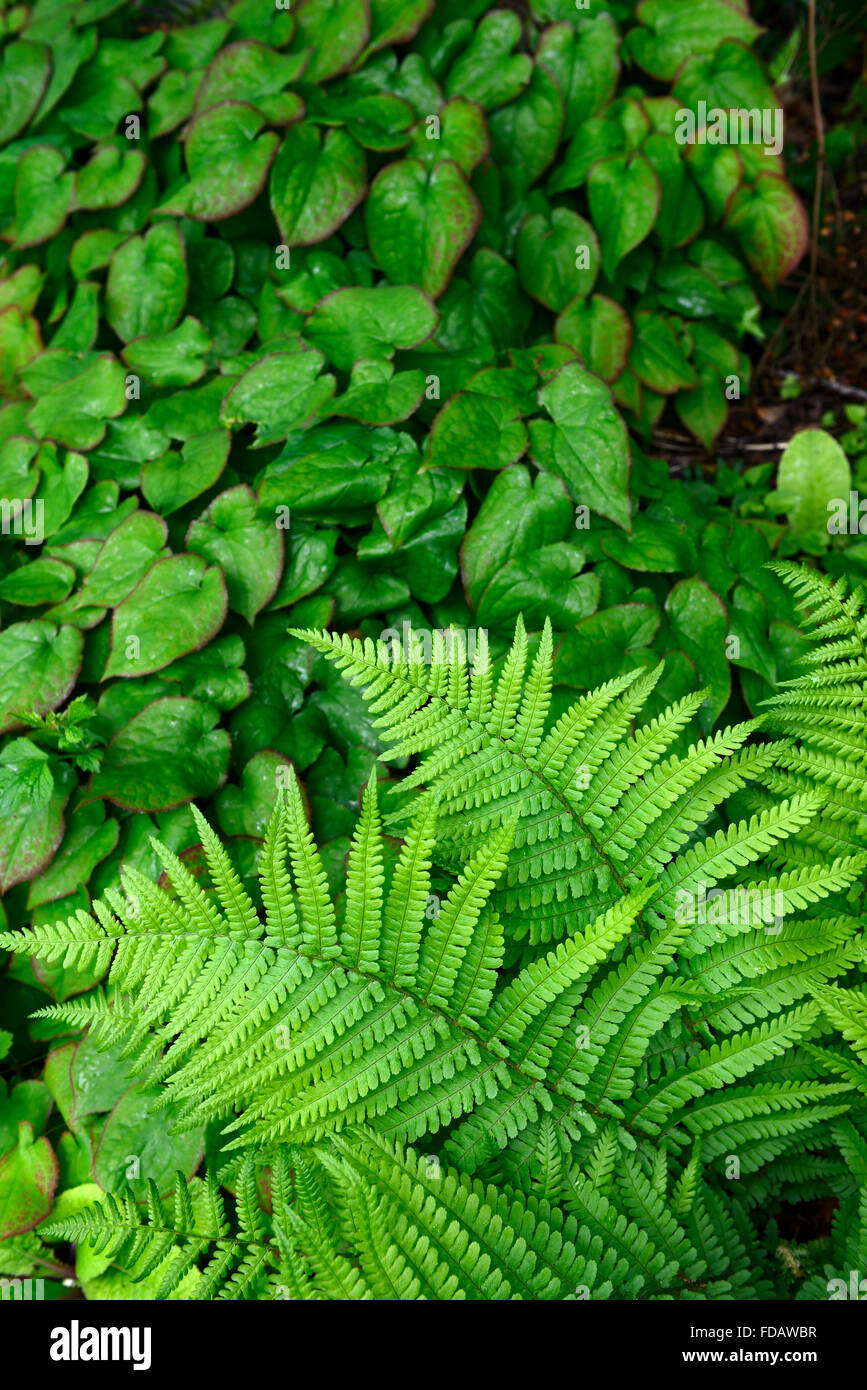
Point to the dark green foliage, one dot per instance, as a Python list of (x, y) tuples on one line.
[(267, 386), (627, 1098), (371, 318)]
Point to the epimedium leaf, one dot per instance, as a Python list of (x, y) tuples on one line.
[(674, 32), (699, 626), (770, 223), (23, 79), (109, 178), (526, 132), (46, 580), (357, 322), (178, 606), (733, 73), (606, 644), (173, 101), (582, 58), (20, 343), (39, 662), (546, 584), (476, 430), (654, 545), (246, 810), (176, 358), (136, 1127), (80, 325), (247, 546), (280, 393), (147, 283), (128, 443), (165, 756), (18, 475), (704, 410), (334, 477), (125, 557), (43, 195), (657, 357), (99, 100), (334, 32), (184, 414), (173, 479), (28, 1178), (459, 133), (253, 72), (315, 182), (558, 257), (585, 442), (625, 195), (309, 562), (22, 288), (600, 331), (521, 513), (599, 138), (60, 486), (88, 838), (33, 793), (214, 674), (486, 71), (420, 221), (92, 251), (380, 121), (376, 396), (30, 1101), (75, 411), (227, 160), (396, 21)]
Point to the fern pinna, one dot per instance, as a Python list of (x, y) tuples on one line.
[(606, 1068)]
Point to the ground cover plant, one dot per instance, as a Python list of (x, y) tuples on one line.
[(344, 340)]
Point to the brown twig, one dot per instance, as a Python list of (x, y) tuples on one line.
[(820, 139)]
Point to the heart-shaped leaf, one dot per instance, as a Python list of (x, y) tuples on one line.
[(354, 323), (420, 221), (28, 1178), (315, 183), (176, 608), (247, 546), (585, 443), (167, 755)]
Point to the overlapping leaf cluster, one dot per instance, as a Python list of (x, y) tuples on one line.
[(288, 293), (616, 1115), (354, 314)]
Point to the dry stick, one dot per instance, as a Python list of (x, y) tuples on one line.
[(820, 140)]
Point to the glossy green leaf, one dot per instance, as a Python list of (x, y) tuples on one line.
[(28, 1178), (558, 257), (167, 755), (227, 160), (474, 430), (315, 183), (177, 606), (600, 332), (584, 443), (280, 393), (625, 196), (420, 221), (248, 548), (176, 358), (147, 283), (23, 78), (33, 792), (38, 666), (354, 323)]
